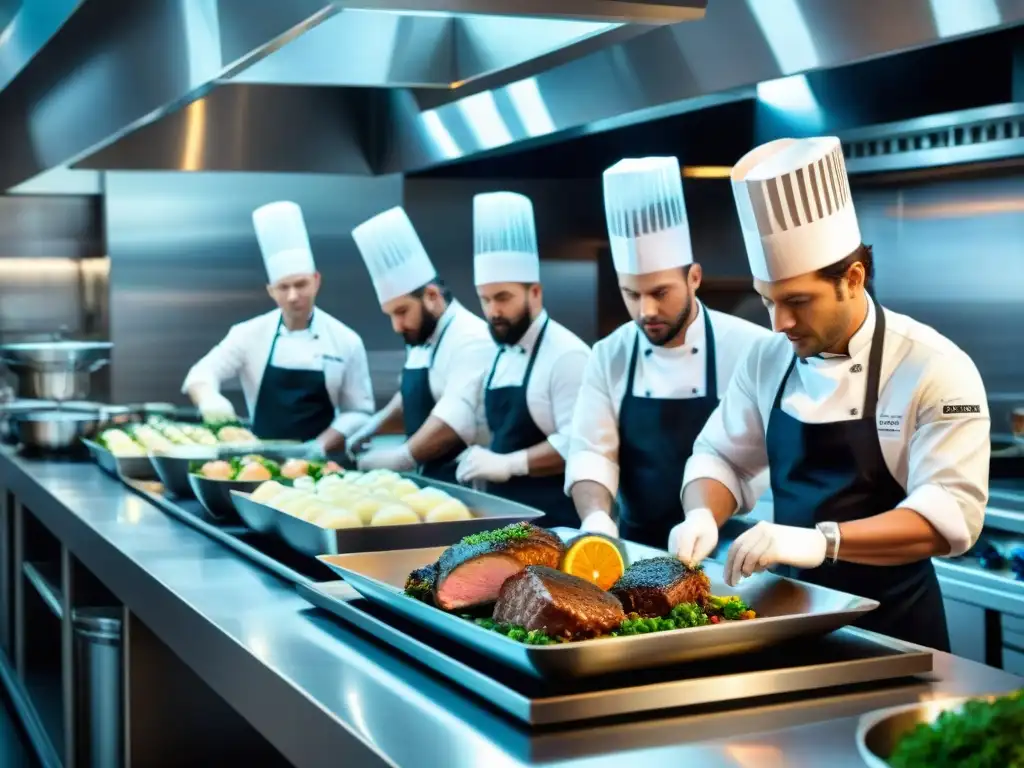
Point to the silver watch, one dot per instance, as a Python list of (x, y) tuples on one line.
[(832, 538)]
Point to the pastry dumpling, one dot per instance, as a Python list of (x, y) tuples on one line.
[(304, 483), (395, 514), (267, 491), (422, 502), (365, 507), (311, 509), (336, 519), (448, 511), (293, 503), (403, 488)]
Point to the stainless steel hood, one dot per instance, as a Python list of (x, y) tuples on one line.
[(207, 85)]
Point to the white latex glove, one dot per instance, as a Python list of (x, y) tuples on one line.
[(695, 538), (396, 459), (768, 544), (478, 463), (599, 521), (314, 451), (357, 440), (215, 408)]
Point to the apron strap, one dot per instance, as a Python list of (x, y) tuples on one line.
[(440, 338), (533, 353), (273, 344), (494, 367), (711, 368), (875, 363), (631, 376), (782, 384)]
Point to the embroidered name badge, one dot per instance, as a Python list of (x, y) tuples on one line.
[(892, 423), (959, 410)]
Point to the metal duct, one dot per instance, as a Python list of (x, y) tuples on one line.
[(614, 11)]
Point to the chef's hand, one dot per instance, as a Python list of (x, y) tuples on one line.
[(314, 451), (768, 544), (599, 521), (695, 538), (478, 463), (359, 439), (215, 408), (396, 459)]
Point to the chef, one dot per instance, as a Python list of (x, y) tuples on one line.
[(448, 351), (531, 388), (304, 374), (875, 428), (649, 387)]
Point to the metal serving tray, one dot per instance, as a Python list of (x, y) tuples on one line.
[(489, 512), (880, 731), (848, 657), (132, 467), (786, 609)]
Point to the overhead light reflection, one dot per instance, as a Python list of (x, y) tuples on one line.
[(794, 97), (955, 17), (530, 106), (440, 135), (481, 113), (707, 171), (783, 26)]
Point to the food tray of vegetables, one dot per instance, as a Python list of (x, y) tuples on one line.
[(982, 732), (349, 511), (563, 604)]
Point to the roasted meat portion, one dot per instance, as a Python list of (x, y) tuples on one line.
[(654, 587), (557, 603), (420, 583), (470, 573)]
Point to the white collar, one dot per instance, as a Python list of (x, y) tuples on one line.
[(529, 339), (311, 326), (695, 338), (861, 338)]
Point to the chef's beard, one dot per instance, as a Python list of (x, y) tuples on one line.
[(673, 329), (505, 331), (428, 324)]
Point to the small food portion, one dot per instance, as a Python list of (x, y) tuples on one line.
[(395, 514), (336, 519), (655, 586), (730, 608), (246, 469), (217, 470), (471, 572), (254, 471), (557, 604), (420, 584), (294, 468), (986, 734), (267, 491), (596, 559), (120, 443), (236, 434), (448, 511)]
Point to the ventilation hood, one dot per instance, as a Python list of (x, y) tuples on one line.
[(313, 86)]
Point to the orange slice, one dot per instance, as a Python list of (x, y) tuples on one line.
[(595, 559)]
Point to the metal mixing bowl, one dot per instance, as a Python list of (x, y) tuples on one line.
[(54, 430)]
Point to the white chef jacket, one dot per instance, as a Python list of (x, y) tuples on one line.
[(937, 451), (555, 381), (670, 374), (457, 375), (327, 344)]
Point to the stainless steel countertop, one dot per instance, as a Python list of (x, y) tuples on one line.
[(323, 694)]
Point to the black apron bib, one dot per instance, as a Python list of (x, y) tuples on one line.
[(513, 429), (417, 403), (656, 438), (836, 472), (291, 404)]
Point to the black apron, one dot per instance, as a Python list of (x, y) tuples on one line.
[(291, 404), (656, 438), (836, 472), (417, 404), (513, 429)]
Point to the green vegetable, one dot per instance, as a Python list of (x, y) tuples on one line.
[(520, 634), (731, 608), (982, 735), (419, 589), (508, 533)]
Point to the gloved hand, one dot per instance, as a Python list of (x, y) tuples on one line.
[(478, 463), (314, 451), (396, 459), (357, 441), (599, 521), (695, 538), (768, 544), (215, 408)]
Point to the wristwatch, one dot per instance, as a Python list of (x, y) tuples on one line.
[(832, 538)]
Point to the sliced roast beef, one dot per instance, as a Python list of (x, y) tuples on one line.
[(470, 573), (557, 603), (654, 587)]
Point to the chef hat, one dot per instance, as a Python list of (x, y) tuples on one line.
[(795, 209), (504, 239), (646, 215), (394, 256), (282, 236)]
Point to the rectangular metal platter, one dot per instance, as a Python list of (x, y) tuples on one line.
[(845, 658), (489, 512), (786, 609), (132, 467)]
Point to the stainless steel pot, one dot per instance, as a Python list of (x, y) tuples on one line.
[(58, 370), (55, 430)]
